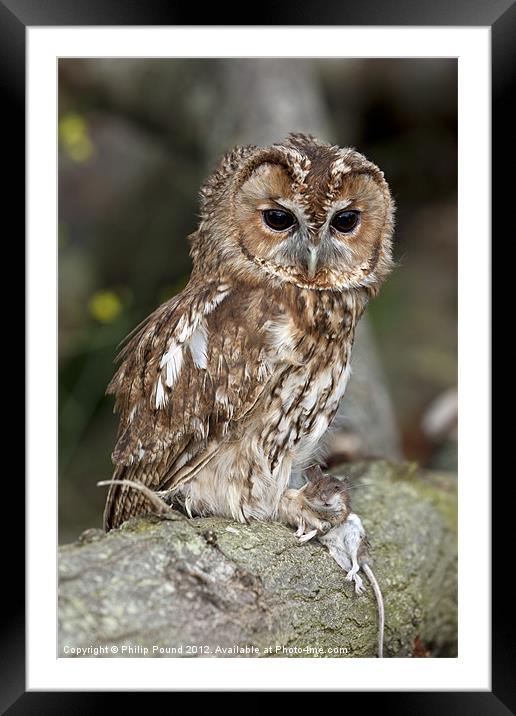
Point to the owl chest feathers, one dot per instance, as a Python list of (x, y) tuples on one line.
[(305, 358), (312, 344)]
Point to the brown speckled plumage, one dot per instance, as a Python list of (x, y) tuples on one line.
[(228, 387)]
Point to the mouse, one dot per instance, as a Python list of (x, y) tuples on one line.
[(346, 539), (348, 545), (328, 498), (325, 504)]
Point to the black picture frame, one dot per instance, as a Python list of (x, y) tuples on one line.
[(15, 17)]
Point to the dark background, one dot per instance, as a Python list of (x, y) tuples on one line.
[(137, 137)]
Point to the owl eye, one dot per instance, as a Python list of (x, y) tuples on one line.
[(345, 221), (278, 220)]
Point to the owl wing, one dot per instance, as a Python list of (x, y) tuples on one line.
[(193, 369)]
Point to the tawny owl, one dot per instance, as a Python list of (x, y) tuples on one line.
[(228, 388)]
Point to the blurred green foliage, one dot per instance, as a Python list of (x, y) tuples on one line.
[(74, 137)]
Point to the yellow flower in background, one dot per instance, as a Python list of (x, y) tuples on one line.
[(75, 137), (105, 306)]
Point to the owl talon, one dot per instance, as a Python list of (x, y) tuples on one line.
[(308, 536), (301, 529)]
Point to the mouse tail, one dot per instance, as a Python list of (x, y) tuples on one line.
[(379, 599)]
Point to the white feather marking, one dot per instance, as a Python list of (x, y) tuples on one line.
[(161, 396), (340, 166), (264, 370), (200, 428), (188, 506), (183, 329), (222, 400), (195, 335), (211, 305), (173, 360), (199, 346)]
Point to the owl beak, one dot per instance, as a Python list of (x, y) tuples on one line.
[(311, 261)]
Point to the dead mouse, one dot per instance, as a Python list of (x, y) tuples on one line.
[(327, 500), (348, 545), (346, 540)]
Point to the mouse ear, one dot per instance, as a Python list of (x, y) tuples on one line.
[(314, 473)]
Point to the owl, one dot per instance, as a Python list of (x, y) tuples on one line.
[(227, 389)]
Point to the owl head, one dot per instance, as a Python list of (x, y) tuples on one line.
[(301, 211)]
